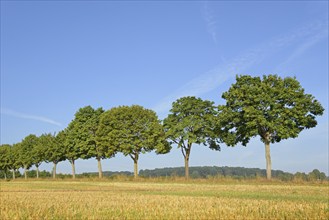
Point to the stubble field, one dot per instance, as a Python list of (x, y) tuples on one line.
[(111, 199)]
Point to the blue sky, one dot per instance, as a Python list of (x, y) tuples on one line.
[(58, 56)]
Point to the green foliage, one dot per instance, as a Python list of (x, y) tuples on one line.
[(42, 174), (111, 174), (316, 175), (5, 157), (54, 152), (192, 120), (15, 163), (25, 151), (68, 139), (214, 171), (131, 130), (9, 174), (38, 152), (272, 107), (84, 127)]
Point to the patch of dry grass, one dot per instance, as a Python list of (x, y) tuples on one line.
[(161, 200)]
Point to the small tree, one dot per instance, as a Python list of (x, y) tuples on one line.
[(38, 154), (15, 163), (272, 108), (192, 121), (316, 175), (54, 150), (25, 152), (5, 161), (132, 130), (68, 141)]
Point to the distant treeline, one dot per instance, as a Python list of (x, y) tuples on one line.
[(196, 173), (235, 172)]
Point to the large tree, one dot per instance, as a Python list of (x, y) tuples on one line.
[(192, 121), (132, 130), (271, 107), (85, 125)]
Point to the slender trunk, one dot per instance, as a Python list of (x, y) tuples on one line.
[(25, 172), (54, 170), (13, 174), (268, 160), (5, 175), (73, 169), (100, 172), (187, 157), (135, 169), (136, 166), (37, 172), (186, 168)]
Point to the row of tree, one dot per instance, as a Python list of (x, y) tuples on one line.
[(270, 107)]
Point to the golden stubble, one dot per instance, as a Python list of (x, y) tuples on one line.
[(162, 200)]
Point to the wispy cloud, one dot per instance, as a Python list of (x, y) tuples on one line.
[(304, 46), (12, 113), (211, 21), (213, 78)]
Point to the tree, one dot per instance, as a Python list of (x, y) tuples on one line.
[(15, 163), (132, 130), (38, 155), (192, 121), (85, 125), (68, 141), (272, 108), (316, 175), (5, 161), (25, 152), (54, 150)]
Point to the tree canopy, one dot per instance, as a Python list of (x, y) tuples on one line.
[(25, 151), (271, 107), (192, 121), (83, 134), (132, 130), (54, 152), (5, 158)]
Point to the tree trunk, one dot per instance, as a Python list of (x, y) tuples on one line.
[(5, 175), (268, 160), (100, 172), (54, 170), (25, 172), (186, 158), (13, 174), (73, 169), (37, 172), (135, 168), (187, 176)]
